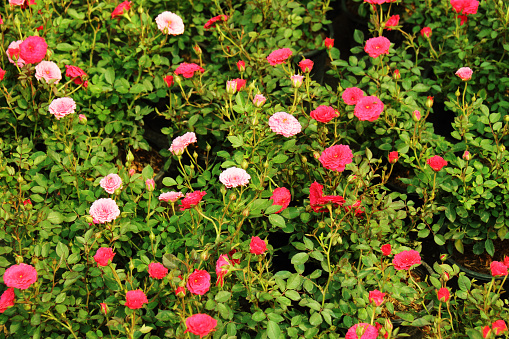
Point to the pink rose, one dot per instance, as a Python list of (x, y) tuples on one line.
[(282, 197), (168, 80), (16, 2), (436, 163), (392, 22), (200, 324), (241, 65), (352, 95), (406, 259), (150, 185), (257, 246), (187, 69), (61, 107), (443, 294), (198, 282), (135, 299), (13, 53), (170, 23), (467, 156), (416, 115), (297, 80), (317, 199), (111, 182), (465, 73), (368, 108), (157, 270), (20, 276), (376, 297), (328, 43), (367, 331), (104, 308), (104, 210), (498, 269), (259, 100), (212, 22), (336, 157), (324, 113), (386, 249), (179, 144), (279, 56), (377, 46), (306, 65), (33, 49), (222, 265), (234, 177), (76, 73), (499, 327), (48, 71), (191, 199), (170, 196), (103, 256), (426, 32), (121, 9), (284, 124), (7, 299), (393, 157), (465, 6)]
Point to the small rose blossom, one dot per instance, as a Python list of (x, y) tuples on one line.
[(200, 324), (317, 199), (62, 107), (416, 115), (352, 95), (377, 46), (121, 9), (212, 22), (241, 83), (16, 2), (170, 23), (135, 299), (104, 308), (386, 249), (499, 327), (7, 299), (376, 297), (329, 43), (464, 73), (170, 196), (13, 53), (465, 7), (187, 70), (157, 270), (222, 265), (111, 182), (443, 294), (2, 74), (27, 202), (406, 259), (436, 163), (169, 80), (150, 185), (368, 331), (76, 73), (426, 32), (20, 276), (103, 256), (257, 246), (241, 65), (279, 56), (306, 65), (336, 157), (180, 291), (324, 113), (429, 101), (467, 156), (179, 144), (104, 210), (191, 199), (82, 119), (498, 269), (368, 108), (296, 80), (392, 22), (463, 19), (259, 100), (284, 124), (198, 282), (33, 49), (48, 71), (282, 197), (396, 75), (234, 177), (486, 331), (393, 157)]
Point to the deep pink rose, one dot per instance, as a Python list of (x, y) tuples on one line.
[(2, 74), (368, 108), (393, 157), (336, 157), (306, 65), (200, 324), (103, 256), (352, 95), (191, 199), (212, 22), (392, 22), (282, 197), (7, 299), (121, 9), (135, 299), (257, 246), (406, 259), (187, 70), (33, 49), (20, 276), (386, 249), (436, 163), (324, 113), (222, 265), (443, 294), (198, 282), (157, 270), (499, 327), (465, 7), (279, 56), (376, 297), (368, 331), (426, 32), (377, 46), (498, 269)]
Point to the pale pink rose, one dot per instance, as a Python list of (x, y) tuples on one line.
[(13, 53), (170, 23), (222, 266), (61, 107), (82, 118), (297, 80), (179, 144), (465, 73), (48, 70), (104, 210), (111, 182), (284, 124), (16, 2), (234, 176), (259, 100), (170, 196)]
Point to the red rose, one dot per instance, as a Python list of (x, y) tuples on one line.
[(77, 73), (169, 80), (157, 270), (103, 256), (240, 83), (241, 65), (506, 261), (426, 32), (443, 294), (406, 259), (392, 22), (279, 56), (436, 163), (499, 327), (191, 199), (396, 75), (257, 246), (7, 299), (119, 10), (324, 113), (306, 65), (281, 196), (230, 256), (393, 157), (200, 324), (376, 297), (377, 46), (486, 331), (336, 157), (386, 249), (33, 49), (104, 308), (498, 269), (212, 22), (465, 6), (429, 101), (135, 299), (2, 74), (198, 282), (317, 199), (329, 43)]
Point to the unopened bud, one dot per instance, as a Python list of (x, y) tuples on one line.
[(322, 224), (316, 155), (98, 235), (204, 256), (150, 185), (467, 156), (396, 74), (177, 79), (388, 325), (304, 160), (152, 236), (506, 118), (352, 178), (474, 98), (446, 276), (244, 164), (130, 156), (195, 155), (197, 50), (501, 148), (254, 122), (231, 87), (20, 179), (89, 219), (259, 100), (245, 212), (232, 196), (83, 119), (443, 257), (68, 150), (118, 191), (131, 265), (297, 80), (416, 115), (429, 102), (457, 93), (208, 148), (266, 164), (222, 190)]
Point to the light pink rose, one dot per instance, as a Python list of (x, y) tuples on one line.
[(48, 70), (234, 176), (104, 210), (61, 107), (222, 265), (259, 100), (465, 73), (284, 124), (111, 182), (170, 23), (179, 144), (16, 2), (170, 196)]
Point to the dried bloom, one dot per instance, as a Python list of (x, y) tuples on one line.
[(393, 157), (406, 259), (191, 199), (135, 299), (376, 297), (212, 22), (336, 157), (443, 294), (200, 324), (157, 270), (199, 282), (234, 177), (170, 23), (465, 73), (7, 299), (284, 124), (306, 65), (377, 46), (2, 74), (499, 327), (279, 56), (324, 113), (150, 185), (33, 49), (187, 69), (368, 108), (352, 95), (366, 331), (104, 210), (169, 80), (259, 100), (426, 32), (48, 71), (282, 197), (241, 65), (329, 43), (222, 265), (13, 53), (119, 10), (317, 199), (386, 249), (392, 22), (416, 115), (257, 246), (103, 256), (170, 196), (436, 163), (296, 80), (76, 73), (498, 269), (179, 144), (465, 7), (20, 276), (61, 107), (111, 182)]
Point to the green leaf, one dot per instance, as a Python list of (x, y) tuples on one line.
[(223, 296), (64, 47), (55, 217), (273, 330), (358, 36), (236, 141), (474, 334), (439, 239), (294, 282), (280, 159), (109, 75), (300, 258), (420, 88), (464, 283), (315, 319), (490, 248), (258, 316), (62, 250), (257, 18), (277, 220)]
